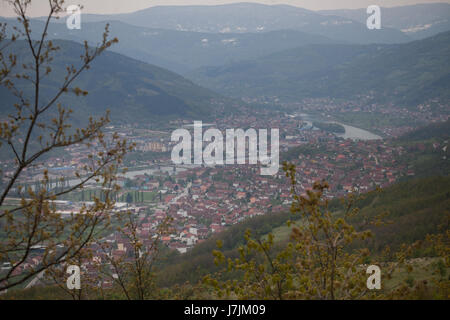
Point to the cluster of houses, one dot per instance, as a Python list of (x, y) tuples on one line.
[(205, 200)]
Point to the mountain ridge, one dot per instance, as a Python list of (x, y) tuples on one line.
[(250, 17), (180, 51), (418, 21), (133, 91), (403, 73)]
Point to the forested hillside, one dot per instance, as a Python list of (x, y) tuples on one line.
[(406, 74), (132, 90)]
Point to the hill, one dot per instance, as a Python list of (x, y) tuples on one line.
[(417, 21), (428, 152), (405, 73), (431, 131), (252, 17), (181, 51), (415, 208), (132, 90)]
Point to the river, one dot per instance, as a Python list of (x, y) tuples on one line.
[(351, 132)]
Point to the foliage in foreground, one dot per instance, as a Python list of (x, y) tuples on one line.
[(321, 261), (325, 258)]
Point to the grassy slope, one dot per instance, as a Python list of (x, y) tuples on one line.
[(415, 208)]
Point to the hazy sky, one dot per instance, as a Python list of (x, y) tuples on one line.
[(119, 6)]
